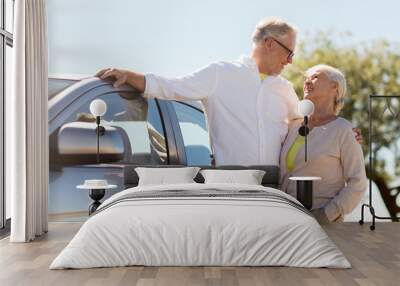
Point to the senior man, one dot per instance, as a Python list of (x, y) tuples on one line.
[(247, 103)]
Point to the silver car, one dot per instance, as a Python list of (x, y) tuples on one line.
[(137, 132)]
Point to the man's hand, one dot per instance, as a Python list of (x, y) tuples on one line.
[(123, 77), (358, 135), (120, 76), (320, 216)]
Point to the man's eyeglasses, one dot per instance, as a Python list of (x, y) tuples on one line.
[(290, 52)]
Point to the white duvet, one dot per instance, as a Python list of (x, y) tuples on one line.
[(185, 231)]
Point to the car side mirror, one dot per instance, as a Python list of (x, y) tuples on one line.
[(77, 144)]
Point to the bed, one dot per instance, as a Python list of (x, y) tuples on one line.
[(197, 224)]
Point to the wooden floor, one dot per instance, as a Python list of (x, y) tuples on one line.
[(375, 256)]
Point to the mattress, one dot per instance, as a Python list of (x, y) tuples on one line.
[(201, 225)]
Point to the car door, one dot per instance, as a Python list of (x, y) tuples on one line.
[(137, 132)]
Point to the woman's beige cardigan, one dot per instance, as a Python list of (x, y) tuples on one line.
[(336, 157)]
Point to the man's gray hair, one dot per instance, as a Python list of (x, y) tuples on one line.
[(336, 76), (272, 27)]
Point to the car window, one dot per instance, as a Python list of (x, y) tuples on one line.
[(140, 121), (194, 132)]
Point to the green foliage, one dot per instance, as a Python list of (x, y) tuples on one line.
[(370, 69)]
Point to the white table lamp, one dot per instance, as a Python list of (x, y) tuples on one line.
[(98, 108), (304, 185)]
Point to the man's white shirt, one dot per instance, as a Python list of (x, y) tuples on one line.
[(247, 118)]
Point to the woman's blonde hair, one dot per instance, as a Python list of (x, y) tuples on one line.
[(336, 76), (272, 27)]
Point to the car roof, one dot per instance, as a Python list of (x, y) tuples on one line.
[(57, 84)]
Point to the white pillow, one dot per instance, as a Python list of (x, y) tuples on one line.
[(163, 176), (249, 177)]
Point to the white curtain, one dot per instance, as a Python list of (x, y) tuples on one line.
[(27, 172)]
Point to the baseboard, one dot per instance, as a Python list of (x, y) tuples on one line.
[(69, 216)]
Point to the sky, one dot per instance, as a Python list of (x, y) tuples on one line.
[(176, 37)]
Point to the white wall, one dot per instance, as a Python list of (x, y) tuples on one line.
[(175, 37)]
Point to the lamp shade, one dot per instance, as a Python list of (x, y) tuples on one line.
[(306, 107), (98, 107)]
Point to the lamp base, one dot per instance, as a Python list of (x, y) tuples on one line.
[(96, 195), (305, 193), (304, 189)]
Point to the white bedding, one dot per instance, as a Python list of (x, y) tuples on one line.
[(227, 231)]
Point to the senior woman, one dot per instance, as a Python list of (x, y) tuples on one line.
[(333, 152)]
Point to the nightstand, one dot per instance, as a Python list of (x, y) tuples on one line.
[(97, 190)]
